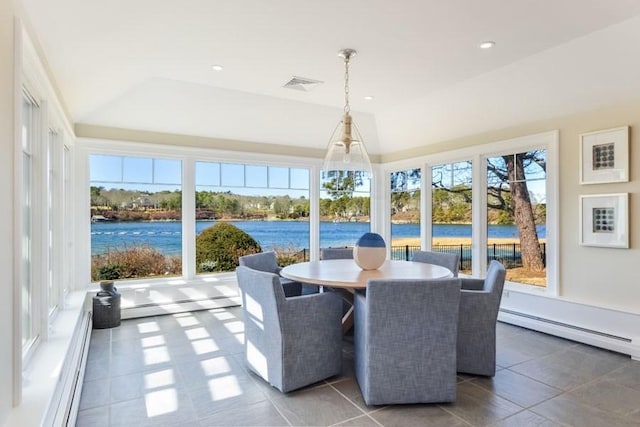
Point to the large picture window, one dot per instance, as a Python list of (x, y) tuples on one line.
[(405, 212), (516, 214), (268, 203), (451, 211), (136, 213)]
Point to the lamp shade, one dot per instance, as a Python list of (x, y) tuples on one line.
[(346, 151)]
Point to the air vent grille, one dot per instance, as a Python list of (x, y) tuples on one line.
[(302, 83)]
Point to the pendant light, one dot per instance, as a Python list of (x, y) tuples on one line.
[(346, 151)]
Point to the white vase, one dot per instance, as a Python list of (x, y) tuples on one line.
[(370, 251)]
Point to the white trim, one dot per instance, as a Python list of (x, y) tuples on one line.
[(189, 267), (314, 213), (17, 215), (426, 205), (553, 213), (143, 149), (479, 233)]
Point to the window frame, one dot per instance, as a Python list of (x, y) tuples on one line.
[(29, 190)]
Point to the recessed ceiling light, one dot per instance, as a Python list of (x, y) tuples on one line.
[(487, 45), (217, 67), (369, 98)]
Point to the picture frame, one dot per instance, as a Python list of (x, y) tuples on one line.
[(604, 220), (604, 156)]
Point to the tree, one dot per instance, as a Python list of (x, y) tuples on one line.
[(342, 183), (405, 193), (508, 191)]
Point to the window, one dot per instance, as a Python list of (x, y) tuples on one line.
[(451, 211), (517, 214), (29, 307), (345, 203), (136, 212), (53, 194), (270, 203), (500, 205), (405, 213)]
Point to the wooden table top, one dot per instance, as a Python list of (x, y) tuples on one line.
[(345, 273)]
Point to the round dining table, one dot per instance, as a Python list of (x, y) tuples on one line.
[(345, 274)]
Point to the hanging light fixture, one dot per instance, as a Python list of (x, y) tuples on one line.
[(346, 150)]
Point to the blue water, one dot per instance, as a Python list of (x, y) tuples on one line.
[(167, 236)]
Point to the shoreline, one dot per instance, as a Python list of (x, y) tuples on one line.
[(446, 241)]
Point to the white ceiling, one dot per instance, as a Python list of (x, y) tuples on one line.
[(146, 64)]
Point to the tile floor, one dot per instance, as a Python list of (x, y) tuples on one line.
[(186, 370)]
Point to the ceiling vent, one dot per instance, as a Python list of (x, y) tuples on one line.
[(302, 83)]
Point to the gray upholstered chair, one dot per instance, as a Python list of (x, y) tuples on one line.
[(336, 253), (267, 261), (405, 340), (479, 304), (447, 260), (289, 342)]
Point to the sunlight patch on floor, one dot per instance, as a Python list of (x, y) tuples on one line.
[(224, 388), (161, 402)]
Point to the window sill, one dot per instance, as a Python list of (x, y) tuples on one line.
[(44, 372)]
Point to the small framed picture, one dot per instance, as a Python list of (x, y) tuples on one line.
[(604, 156), (605, 220)]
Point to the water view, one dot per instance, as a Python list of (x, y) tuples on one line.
[(166, 237)]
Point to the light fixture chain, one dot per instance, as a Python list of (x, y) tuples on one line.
[(347, 107)]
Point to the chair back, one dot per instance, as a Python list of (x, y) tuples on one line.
[(292, 342), (443, 259), (262, 288), (405, 340), (263, 261), (494, 284), (336, 253), (262, 297), (479, 306)]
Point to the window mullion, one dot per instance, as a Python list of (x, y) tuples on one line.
[(188, 219), (479, 215)]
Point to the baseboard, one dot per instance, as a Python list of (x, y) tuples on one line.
[(69, 404), (597, 326), (158, 309)]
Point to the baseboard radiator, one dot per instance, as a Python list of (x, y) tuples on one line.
[(67, 395), (179, 306), (613, 342)]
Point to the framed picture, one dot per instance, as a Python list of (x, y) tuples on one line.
[(605, 220), (604, 156)]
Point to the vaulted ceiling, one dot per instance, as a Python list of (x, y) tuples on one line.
[(146, 65)]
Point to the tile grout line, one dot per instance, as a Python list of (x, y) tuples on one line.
[(354, 404)]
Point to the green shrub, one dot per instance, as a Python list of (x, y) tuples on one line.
[(220, 246), (109, 271)]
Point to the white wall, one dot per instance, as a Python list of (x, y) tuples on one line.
[(599, 276), (6, 216)]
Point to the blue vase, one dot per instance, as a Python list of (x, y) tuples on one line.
[(370, 251)]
